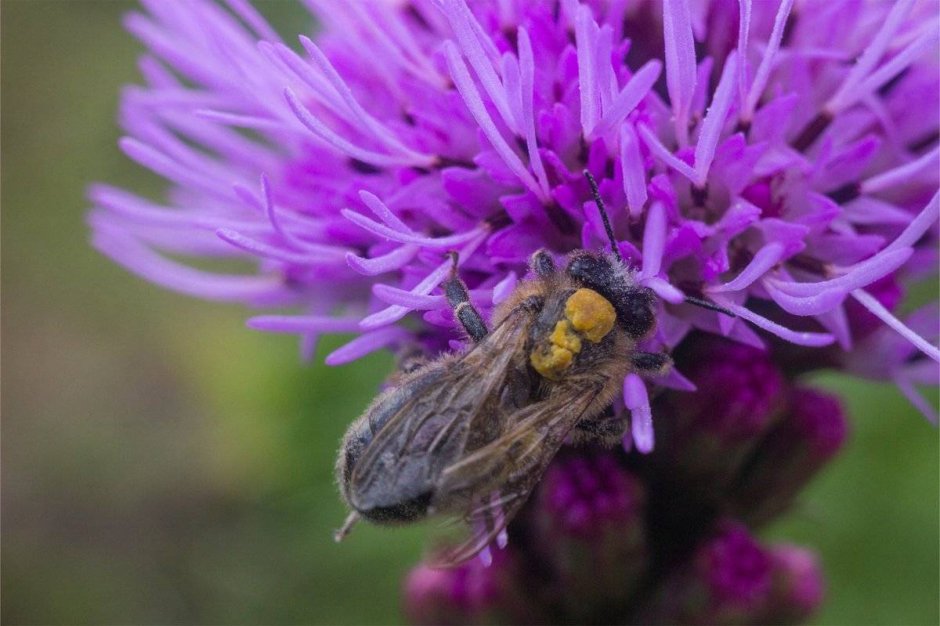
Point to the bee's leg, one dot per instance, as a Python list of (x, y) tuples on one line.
[(651, 363), (606, 429), (341, 534), (542, 264), (459, 299), (411, 360), (407, 361), (412, 363)]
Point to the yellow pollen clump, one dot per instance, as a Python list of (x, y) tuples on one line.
[(590, 313), (563, 337), (551, 359)]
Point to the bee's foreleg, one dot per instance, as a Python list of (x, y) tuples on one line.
[(653, 363), (542, 264), (459, 299)]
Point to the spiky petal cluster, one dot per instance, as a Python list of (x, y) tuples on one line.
[(761, 154)]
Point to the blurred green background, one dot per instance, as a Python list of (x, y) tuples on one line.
[(163, 464)]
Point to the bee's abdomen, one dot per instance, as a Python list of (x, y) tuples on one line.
[(364, 429), (408, 511), (376, 491)]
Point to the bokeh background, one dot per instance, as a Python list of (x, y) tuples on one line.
[(164, 464)]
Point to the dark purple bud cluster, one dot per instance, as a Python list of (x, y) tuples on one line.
[(670, 537), (477, 592)]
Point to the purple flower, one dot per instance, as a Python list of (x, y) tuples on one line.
[(738, 570), (751, 389), (780, 159), (762, 155), (711, 433)]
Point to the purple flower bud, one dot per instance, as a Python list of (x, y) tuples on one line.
[(727, 580), (739, 391), (737, 568), (471, 593), (709, 433), (587, 525), (798, 586), (802, 442)]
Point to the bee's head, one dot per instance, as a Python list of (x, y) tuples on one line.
[(633, 303), (607, 275)]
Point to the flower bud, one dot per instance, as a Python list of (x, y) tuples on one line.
[(711, 431), (810, 434), (587, 525), (798, 586), (727, 580), (471, 593)]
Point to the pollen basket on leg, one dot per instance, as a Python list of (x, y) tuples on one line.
[(590, 314)]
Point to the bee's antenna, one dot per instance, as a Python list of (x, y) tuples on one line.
[(351, 520), (600, 209), (711, 306)]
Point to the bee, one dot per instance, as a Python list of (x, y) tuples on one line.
[(470, 434)]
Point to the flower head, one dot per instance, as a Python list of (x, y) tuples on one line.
[(759, 155), (737, 569), (776, 164), (812, 430), (751, 386)]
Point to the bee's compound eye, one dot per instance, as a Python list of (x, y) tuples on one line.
[(637, 316), (585, 266)]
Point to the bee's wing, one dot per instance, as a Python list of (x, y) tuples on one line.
[(507, 469), (429, 431)]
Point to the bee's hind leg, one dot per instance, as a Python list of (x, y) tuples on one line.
[(351, 520), (606, 429), (651, 363), (609, 427), (459, 299)]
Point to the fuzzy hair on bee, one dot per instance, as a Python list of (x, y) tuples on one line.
[(470, 434)]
